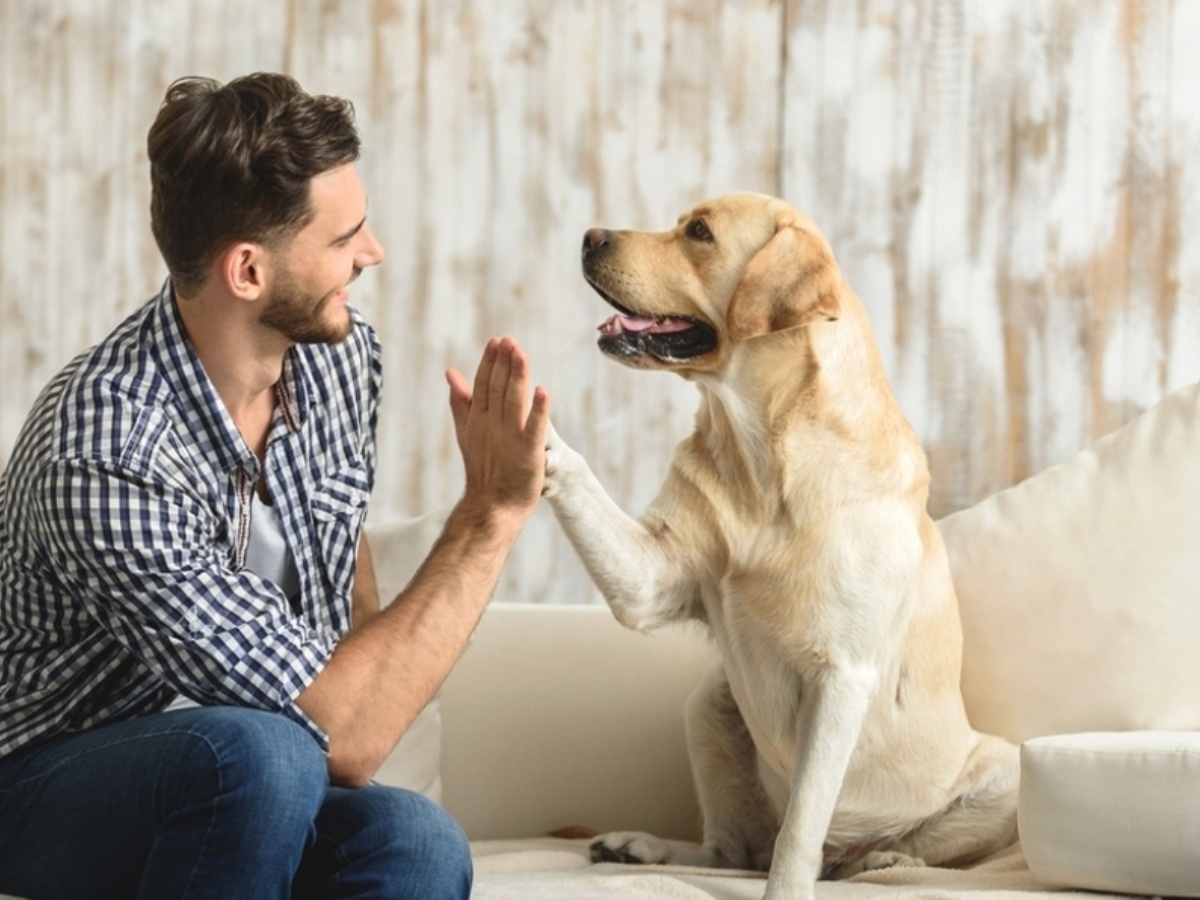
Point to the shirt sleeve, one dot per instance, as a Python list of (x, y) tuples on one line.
[(150, 562)]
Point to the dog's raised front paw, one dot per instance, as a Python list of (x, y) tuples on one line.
[(559, 457), (635, 847)]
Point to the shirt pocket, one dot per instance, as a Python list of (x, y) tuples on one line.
[(339, 508)]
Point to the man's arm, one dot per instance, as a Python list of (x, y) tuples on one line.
[(385, 670)]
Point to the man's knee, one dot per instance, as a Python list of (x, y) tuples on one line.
[(400, 842), (259, 761)]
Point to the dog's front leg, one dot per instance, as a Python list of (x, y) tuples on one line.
[(634, 569), (828, 726)]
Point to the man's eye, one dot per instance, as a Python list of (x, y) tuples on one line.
[(697, 230)]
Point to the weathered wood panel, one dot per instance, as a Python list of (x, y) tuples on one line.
[(1012, 187), (1007, 185)]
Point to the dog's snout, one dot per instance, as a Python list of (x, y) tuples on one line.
[(596, 240)]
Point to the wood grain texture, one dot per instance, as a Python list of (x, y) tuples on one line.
[(1012, 187)]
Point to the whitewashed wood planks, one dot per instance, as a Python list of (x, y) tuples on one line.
[(1011, 186)]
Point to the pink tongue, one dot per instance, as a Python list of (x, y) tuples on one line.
[(617, 324)]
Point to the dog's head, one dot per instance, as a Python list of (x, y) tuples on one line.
[(731, 270)]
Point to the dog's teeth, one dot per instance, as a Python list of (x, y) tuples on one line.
[(611, 327)]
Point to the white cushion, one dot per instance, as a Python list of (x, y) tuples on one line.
[(557, 715), (416, 762), (397, 549), (1080, 587), (1113, 811)]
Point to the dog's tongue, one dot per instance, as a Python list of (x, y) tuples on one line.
[(617, 324)]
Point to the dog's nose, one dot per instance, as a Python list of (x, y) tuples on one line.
[(595, 240)]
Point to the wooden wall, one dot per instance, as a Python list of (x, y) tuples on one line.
[(1013, 186)]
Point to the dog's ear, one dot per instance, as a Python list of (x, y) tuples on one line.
[(791, 281)]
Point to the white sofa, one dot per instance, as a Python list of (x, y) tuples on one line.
[(1080, 596)]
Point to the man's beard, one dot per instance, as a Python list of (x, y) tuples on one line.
[(300, 316)]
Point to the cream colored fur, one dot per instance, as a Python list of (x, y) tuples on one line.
[(832, 736)]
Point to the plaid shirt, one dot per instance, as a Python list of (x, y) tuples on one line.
[(124, 521)]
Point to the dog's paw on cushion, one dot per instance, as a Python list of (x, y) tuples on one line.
[(1078, 587), (634, 847)]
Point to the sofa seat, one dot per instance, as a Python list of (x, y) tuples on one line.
[(557, 717), (549, 869)]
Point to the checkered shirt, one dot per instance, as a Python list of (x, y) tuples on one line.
[(124, 522)]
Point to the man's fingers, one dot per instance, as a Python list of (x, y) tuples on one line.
[(516, 403), (501, 376), (483, 374), (537, 426), (460, 399), (501, 390)]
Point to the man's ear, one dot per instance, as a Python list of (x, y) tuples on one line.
[(241, 268), (792, 281)]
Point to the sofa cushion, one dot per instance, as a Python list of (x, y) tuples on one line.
[(397, 548), (1113, 811), (416, 762), (556, 716), (1080, 587)]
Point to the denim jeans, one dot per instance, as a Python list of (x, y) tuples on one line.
[(219, 803)]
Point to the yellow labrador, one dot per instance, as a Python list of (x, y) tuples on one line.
[(831, 738)]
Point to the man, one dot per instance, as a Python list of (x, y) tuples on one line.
[(197, 683)]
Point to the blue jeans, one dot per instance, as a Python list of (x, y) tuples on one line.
[(222, 803)]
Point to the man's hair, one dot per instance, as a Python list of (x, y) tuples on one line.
[(234, 162)]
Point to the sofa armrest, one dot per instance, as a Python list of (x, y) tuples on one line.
[(556, 715)]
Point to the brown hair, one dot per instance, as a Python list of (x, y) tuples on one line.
[(233, 162)]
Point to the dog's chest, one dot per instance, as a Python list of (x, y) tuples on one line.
[(788, 606), (768, 692)]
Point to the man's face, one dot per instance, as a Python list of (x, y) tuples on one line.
[(311, 274)]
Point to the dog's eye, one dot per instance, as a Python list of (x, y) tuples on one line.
[(698, 230)]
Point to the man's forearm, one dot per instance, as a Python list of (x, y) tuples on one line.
[(383, 673)]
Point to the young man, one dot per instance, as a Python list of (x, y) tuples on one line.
[(196, 681)]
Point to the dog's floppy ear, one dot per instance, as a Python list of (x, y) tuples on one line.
[(791, 281)]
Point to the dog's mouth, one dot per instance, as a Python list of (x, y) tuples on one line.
[(629, 335)]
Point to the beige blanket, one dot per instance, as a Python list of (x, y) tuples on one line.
[(553, 869)]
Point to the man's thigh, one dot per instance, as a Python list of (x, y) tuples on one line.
[(79, 815)]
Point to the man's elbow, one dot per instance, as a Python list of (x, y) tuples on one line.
[(351, 770)]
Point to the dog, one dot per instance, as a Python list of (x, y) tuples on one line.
[(831, 737)]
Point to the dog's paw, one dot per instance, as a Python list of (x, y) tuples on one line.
[(634, 847), (893, 860), (883, 859), (560, 459)]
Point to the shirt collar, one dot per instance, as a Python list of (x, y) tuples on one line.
[(206, 416)]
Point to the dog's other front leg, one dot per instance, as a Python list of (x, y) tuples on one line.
[(828, 726), (740, 824), (634, 569)]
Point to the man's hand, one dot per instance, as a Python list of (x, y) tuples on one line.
[(501, 436)]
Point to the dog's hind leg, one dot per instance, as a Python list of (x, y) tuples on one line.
[(979, 822), (739, 824)]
